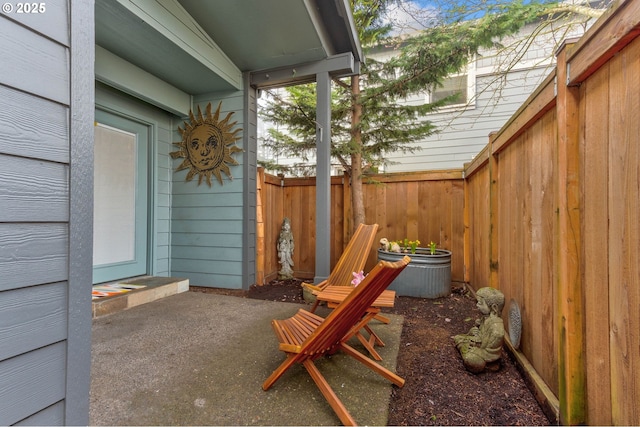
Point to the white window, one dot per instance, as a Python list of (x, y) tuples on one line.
[(462, 84), (453, 86)]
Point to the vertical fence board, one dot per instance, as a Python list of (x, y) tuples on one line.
[(548, 302), (624, 237), (337, 221), (596, 206), (412, 210), (479, 228), (457, 229), (532, 238)]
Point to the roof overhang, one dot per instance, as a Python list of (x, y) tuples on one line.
[(204, 46)]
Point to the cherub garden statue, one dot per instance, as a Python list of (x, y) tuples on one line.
[(285, 250), (481, 347)]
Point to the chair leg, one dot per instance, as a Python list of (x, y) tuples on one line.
[(383, 319), (286, 364), (329, 394), (373, 337), (370, 343), (381, 370)]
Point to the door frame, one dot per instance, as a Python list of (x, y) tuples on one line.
[(151, 126)]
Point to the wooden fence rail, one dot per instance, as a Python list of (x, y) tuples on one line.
[(547, 213)]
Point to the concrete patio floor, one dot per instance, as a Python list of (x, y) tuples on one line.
[(200, 359)]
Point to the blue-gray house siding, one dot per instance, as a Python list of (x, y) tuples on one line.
[(207, 223), (46, 135)]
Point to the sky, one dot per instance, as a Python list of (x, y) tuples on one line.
[(413, 15), (409, 17)]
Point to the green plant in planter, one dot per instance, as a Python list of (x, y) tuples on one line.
[(403, 246), (407, 245), (432, 248)]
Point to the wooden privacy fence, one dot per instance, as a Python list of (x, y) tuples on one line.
[(547, 213), (294, 198), (427, 206), (552, 215)]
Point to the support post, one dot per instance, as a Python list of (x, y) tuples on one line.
[(323, 177), (572, 392)]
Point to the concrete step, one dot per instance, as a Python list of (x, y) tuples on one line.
[(154, 289)]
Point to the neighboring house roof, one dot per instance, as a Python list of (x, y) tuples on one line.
[(211, 43)]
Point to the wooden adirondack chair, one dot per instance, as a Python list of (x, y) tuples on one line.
[(306, 336), (352, 259)]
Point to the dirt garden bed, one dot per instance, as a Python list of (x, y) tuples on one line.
[(438, 389)]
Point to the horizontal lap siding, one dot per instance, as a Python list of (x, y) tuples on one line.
[(40, 249), (35, 159), (31, 382), (35, 190), (164, 145), (18, 122), (35, 318), (37, 65), (52, 415), (207, 222)]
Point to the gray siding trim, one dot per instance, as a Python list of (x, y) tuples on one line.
[(78, 360), (250, 143)]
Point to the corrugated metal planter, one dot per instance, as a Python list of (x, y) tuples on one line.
[(426, 276)]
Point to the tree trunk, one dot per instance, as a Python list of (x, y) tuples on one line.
[(357, 195)]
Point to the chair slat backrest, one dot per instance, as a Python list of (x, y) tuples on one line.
[(354, 257), (348, 313)]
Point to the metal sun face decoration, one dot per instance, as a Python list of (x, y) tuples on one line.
[(207, 145)]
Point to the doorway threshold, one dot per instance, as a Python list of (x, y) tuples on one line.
[(128, 293)]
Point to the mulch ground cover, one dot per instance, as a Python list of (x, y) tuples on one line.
[(438, 389)]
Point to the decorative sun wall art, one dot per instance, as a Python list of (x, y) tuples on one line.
[(207, 145)]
